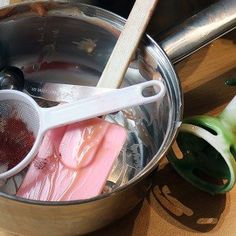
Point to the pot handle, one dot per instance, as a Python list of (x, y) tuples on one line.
[(199, 30)]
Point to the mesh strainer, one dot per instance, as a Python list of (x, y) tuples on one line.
[(38, 120)]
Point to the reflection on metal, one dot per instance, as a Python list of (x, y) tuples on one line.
[(199, 30)]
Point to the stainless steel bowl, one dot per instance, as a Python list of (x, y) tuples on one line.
[(81, 38)]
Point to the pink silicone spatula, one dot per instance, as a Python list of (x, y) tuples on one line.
[(78, 167)]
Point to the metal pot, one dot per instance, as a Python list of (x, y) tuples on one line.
[(84, 36)]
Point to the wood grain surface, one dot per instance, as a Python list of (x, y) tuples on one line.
[(174, 207)]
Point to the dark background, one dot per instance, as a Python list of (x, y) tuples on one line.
[(168, 12)]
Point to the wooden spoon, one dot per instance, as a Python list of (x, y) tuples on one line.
[(127, 43)]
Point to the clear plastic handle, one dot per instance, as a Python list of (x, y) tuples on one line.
[(102, 104)]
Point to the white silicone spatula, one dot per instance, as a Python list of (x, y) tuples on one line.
[(127, 43)]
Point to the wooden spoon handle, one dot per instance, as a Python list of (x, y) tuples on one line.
[(127, 43)]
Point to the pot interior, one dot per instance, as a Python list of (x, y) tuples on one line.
[(71, 43)]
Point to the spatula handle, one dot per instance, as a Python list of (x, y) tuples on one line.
[(127, 43)]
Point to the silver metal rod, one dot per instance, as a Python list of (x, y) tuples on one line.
[(200, 30)]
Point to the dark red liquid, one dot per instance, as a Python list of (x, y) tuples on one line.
[(15, 141)]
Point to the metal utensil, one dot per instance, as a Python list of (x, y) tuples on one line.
[(13, 78)]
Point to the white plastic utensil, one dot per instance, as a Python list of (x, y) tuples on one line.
[(61, 93), (38, 120), (12, 77)]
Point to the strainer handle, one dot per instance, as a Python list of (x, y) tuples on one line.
[(102, 104)]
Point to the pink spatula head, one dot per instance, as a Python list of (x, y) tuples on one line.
[(76, 169), (81, 142)]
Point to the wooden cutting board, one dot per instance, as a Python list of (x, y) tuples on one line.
[(174, 207)]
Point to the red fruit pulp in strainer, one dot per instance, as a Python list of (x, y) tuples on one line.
[(15, 141)]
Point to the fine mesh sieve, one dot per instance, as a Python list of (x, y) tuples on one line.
[(35, 121)]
